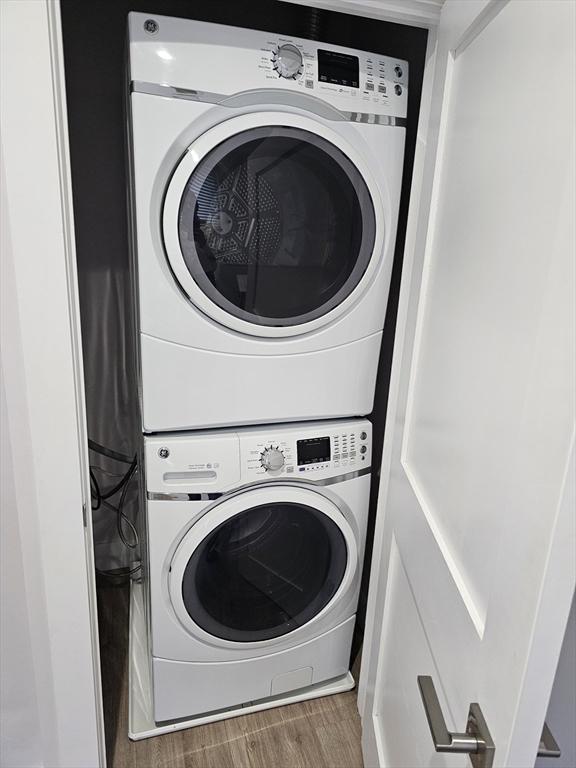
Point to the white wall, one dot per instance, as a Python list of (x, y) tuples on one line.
[(19, 720), (51, 709)]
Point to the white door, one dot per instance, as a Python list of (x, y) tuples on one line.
[(474, 552)]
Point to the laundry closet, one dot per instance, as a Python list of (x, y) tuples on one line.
[(250, 282), (324, 375)]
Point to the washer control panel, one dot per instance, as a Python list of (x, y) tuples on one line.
[(190, 465), (315, 451), (216, 61)]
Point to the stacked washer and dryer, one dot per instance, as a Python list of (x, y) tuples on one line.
[(265, 184)]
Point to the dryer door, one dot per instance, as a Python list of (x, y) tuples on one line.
[(264, 563), (271, 224)]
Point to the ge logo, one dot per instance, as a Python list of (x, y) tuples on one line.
[(151, 26), (163, 453)]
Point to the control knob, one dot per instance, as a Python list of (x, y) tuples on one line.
[(287, 61), (272, 459)]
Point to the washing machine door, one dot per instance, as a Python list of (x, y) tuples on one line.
[(272, 224), (262, 564)]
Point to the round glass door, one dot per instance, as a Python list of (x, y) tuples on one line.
[(276, 225), (264, 572)]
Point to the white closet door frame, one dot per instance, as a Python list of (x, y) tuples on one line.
[(43, 376)]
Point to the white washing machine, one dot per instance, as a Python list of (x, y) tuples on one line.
[(255, 547), (265, 178)]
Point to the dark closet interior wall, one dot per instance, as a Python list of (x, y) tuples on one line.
[(94, 44)]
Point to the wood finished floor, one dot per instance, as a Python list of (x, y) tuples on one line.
[(322, 733)]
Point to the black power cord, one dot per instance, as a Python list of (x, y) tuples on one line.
[(121, 518), (118, 572), (122, 482), (94, 446), (99, 498), (95, 490)]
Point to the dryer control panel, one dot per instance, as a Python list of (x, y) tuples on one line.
[(216, 61), (216, 461)]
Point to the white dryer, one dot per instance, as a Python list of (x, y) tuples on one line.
[(265, 177), (255, 545)]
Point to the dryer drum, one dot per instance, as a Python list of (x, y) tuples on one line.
[(276, 225), (240, 219), (264, 572)]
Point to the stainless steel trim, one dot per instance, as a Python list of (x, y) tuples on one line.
[(337, 478), (476, 741), (363, 117), (548, 744), (189, 94), (156, 496), (172, 92)]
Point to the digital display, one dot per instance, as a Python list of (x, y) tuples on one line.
[(338, 68), (313, 450)]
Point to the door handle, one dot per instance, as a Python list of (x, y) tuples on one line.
[(548, 745), (476, 741)]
